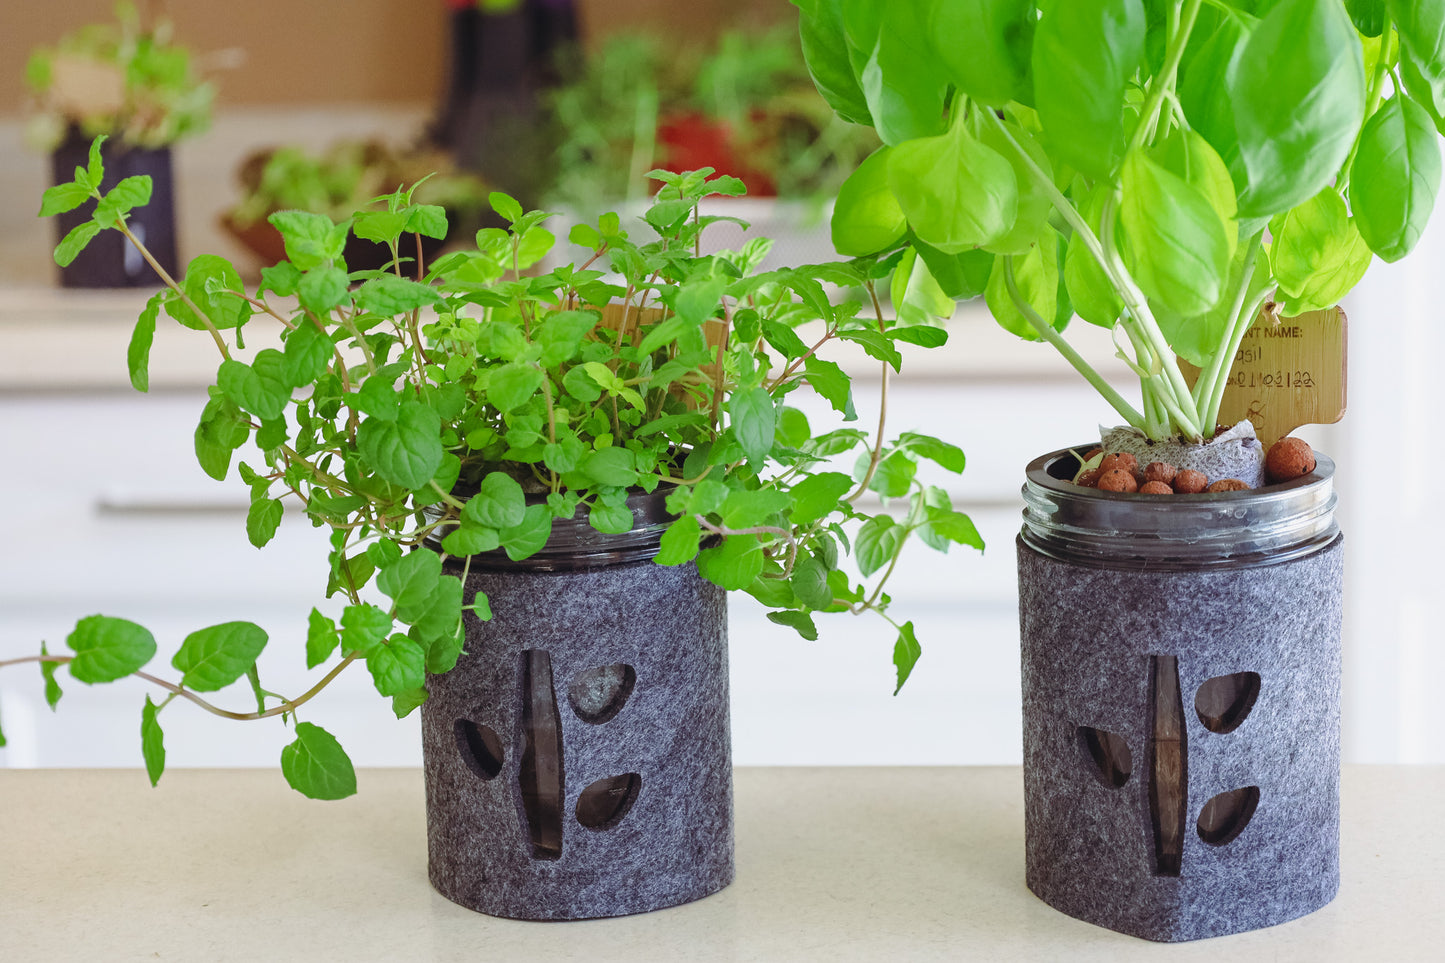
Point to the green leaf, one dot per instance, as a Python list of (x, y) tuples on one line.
[(829, 381), (1034, 205), (561, 335), (380, 226), (820, 28), (404, 704), (429, 220), (310, 239), (1368, 16), (877, 543), (733, 564), (397, 666), (322, 288), (902, 81), (389, 295), (62, 198), (316, 766), (321, 639), (443, 653), (878, 345), (529, 536), (946, 455), (992, 67), (956, 192), (1297, 116), (754, 421), (283, 278), (893, 476), (961, 276), (262, 520), (258, 388), (1085, 53), (407, 451), (1421, 27), (95, 165), (307, 352), (921, 335), (505, 205), (222, 429), (466, 541), (610, 518), (411, 580), (1036, 275), (212, 285), (138, 353), (152, 742), (744, 508), (513, 385), (363, 627), (1178, 250), (214, 657), (74, 242), (609, 467), (52, 687), (134, 191), (108, 648), (945, 525), (866, 215), (1395, 177), (816, 496), (498, 503), (810, 583), (1203, 94), (680, 542), (1318, 254), (801, 621), (443, 610), (905, 654)]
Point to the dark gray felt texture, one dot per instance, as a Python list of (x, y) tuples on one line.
[(1088, 635), (676, 842)]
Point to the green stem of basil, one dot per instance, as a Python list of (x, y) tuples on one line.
[(1164, 80), (1134, 301), (1047, 332), (1244, 314), (1372, 103)]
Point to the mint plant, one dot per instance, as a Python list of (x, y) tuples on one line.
[(1161, 168), (464, 413)]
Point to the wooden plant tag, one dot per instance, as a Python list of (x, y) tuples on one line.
[(1287, 372)]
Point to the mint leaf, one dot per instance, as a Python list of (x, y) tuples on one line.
[(390, 295), (499, 503), (527, 538), (877, 543), (108, 648), (941, 453), (754, 421), (262, 520), (307, 353), (411, 580), (311, 239), (609, 467), (744, 508), (316, 766), (513, 385), (76, 241), (214, 657), (505, 205), (610, 518), (466, 541), (253, 388), (321, 639), (52, 688), (905, 654), (679, 542), (801, 621), (152, 741), (134, 191), (817, 495), (138, 353), (397, 666), (810, 583), (62, 198), (363, 627), (733, 564), (407, 451), (428, 219), (322, 288), (443, 610), (829, 381), (404, 704), (442, 654)]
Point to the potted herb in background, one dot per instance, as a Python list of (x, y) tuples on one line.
[(539, 488), (132, 83), (344, 179), (1187, 175)]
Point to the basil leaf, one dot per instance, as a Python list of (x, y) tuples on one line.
[(866, 216), (1036, 275), (1395, 177), (1178, 249), (984, 45), (956, 192), (1318, 254)]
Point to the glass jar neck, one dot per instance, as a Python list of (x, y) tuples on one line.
[(1262, 526)]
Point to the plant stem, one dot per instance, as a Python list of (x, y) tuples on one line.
[(1164, 80), (176, 690), (1210, 387), (170, 282), (1372, 103), (877, 453), (1242, 324), (1047, 332)]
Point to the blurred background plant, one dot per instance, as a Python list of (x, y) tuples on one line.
[(744, 105), (127, 79)]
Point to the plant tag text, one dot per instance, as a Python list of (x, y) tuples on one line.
[(1287, 372)]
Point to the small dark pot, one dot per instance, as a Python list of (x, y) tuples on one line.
[(1181, 687), (578, 758), (109, 261)]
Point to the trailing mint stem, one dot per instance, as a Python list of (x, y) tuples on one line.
[(877, 452), (1047, 332), (170, 282)]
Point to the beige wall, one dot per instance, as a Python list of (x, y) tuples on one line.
[(318, 51)]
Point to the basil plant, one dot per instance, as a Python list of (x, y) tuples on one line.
[(1161, 168), (465, 413)]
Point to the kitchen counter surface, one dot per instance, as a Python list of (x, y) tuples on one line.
[(833, 864)]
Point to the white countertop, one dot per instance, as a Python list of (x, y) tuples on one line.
[(833, 864)]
